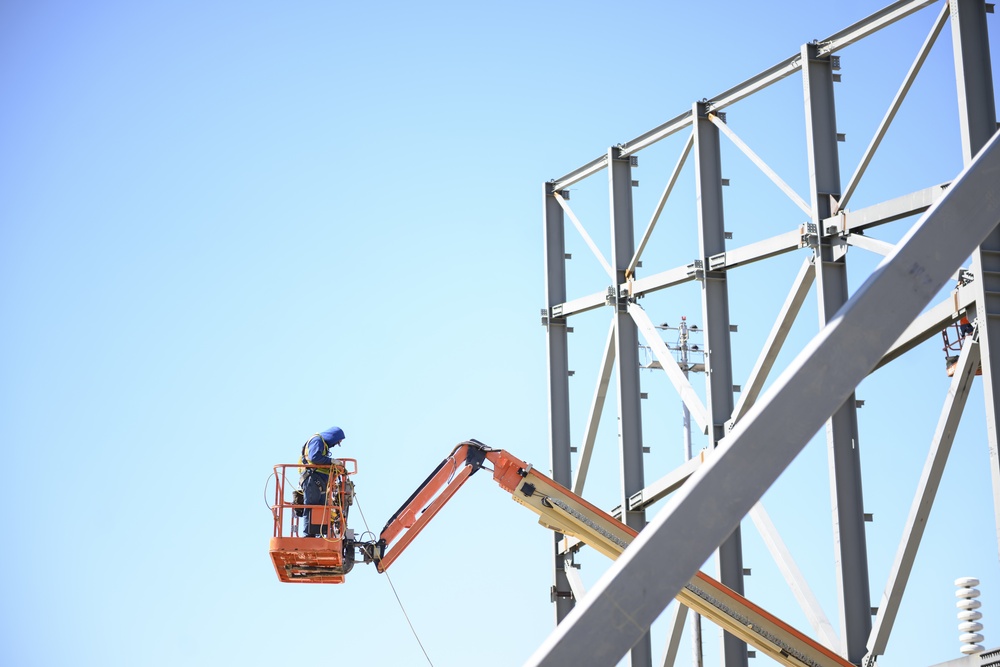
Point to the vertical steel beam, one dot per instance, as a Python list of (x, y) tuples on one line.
[(718, 353), (976, 107), (851, 552), (627, 353), (978, 116), (558, 361)]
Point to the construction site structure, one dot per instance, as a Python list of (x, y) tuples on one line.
[(922, 287)]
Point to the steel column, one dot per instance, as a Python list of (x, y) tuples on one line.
[(627, 353), (978, 117), (718, 353), (558, 362), (851, 553), (976, 107)]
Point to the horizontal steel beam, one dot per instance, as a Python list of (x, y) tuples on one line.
[(580, 174), (846, 222), (771, 75), (872, 24), (885, 212), (662, 280), (581, 305), (930, 323), (667, 484), (755, 252)]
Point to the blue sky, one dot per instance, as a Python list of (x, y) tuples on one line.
[(226, 226)]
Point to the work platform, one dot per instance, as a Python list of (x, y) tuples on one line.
[(328, 557)]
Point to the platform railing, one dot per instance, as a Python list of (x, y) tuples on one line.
[(287, 510)]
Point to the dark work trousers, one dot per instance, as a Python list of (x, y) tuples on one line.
[(314, 488)]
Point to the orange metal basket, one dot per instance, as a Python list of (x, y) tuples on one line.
[(325, 559)]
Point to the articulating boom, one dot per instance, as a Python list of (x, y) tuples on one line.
[(563, 511)]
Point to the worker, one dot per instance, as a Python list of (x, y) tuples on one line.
[(965, 326), (316, 452)]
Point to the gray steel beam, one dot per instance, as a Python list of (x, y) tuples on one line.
[(675, 124), (775, 340), (558, 363), (793, 576), (897, 101), (627, 353), (771, 75), (974, 74), (880, 247), (669, 483), (637, 588), (718, 349), (870, 244), (596, 410), (884, 212), (668, 278), (923, 500), (867, 26), (659, 206), (580, 305), (759, 162), (978, 119), (580, 174), (674, 373), (674, 633), (845, 222), (583, 233), (930, 323), (755, 252), (851, 554)]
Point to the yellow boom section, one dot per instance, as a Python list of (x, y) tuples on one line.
[(563, 511)]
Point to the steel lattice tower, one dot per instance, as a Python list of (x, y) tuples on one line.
[(886, 318)]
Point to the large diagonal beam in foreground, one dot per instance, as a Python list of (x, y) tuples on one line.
[(703, 513)]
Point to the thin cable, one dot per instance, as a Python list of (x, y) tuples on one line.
[(400, 602)]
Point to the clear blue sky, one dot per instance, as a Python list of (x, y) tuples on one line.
[(228, 225)]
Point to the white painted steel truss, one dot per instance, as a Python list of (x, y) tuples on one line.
[(753, 441)]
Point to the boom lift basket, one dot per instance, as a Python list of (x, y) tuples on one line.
[(953, 344), (324, 559)]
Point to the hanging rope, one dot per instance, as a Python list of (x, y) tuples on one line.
[(398, 601)]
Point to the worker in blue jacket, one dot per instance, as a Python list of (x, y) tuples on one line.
[(316, 452)]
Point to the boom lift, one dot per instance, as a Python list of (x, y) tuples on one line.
[(328, 559)]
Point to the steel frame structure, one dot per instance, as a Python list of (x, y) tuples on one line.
[(748, 449)]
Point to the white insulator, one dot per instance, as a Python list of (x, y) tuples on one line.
[(970, 626), (968, 616)]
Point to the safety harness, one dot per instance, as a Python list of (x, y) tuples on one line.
[(305, 460)]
